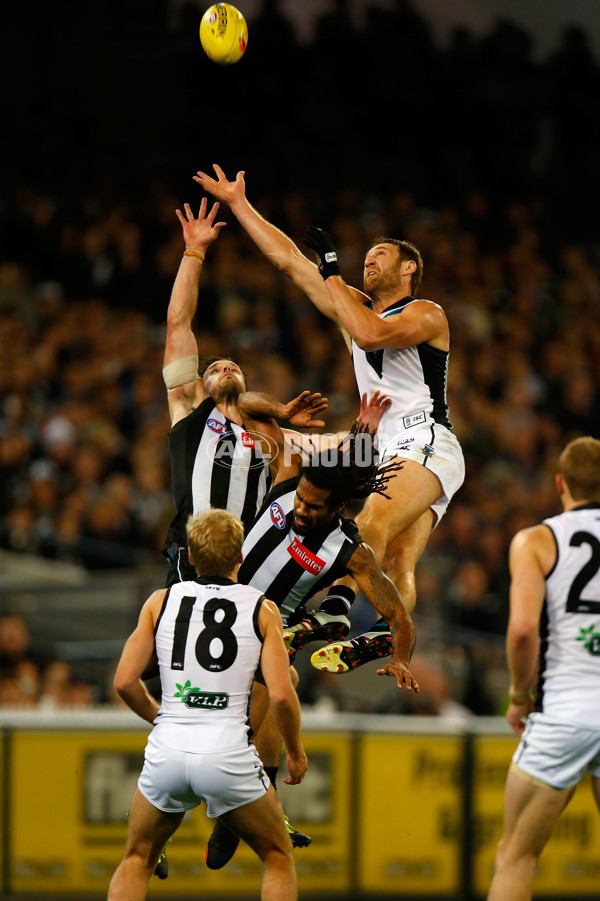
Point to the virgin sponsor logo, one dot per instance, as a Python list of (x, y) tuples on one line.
[(277, 515), (307, 560)]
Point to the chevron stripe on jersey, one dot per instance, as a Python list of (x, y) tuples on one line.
[(208, 645), (569, 669), (289, 568), (414, 378), (214, 463)]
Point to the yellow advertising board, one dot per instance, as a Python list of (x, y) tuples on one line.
[(570, 863), (410, 814), (70, 792)]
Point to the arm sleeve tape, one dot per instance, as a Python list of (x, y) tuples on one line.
[(181, 372)]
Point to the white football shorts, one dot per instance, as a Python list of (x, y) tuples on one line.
[(175, 781), (435, 447), (556, 752)]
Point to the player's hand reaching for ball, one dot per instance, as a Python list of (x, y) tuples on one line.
[(199, 232), (220, 188)]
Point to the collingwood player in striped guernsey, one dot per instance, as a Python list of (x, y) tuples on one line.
[(222, 439), (400, 346), (553, 654), (299, 543)]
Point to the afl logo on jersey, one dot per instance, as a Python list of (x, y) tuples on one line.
[(216, 426), (277, 515)]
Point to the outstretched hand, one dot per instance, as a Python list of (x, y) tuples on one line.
[(200, 232), (301, 411), (224, 190), (401, 674), (372, 410), (320, 241)]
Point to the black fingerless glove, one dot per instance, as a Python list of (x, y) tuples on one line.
[(320, 241)]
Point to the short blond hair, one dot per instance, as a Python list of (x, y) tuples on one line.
[(215, 540), (579, 465)]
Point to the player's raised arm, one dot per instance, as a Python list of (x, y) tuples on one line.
[(180, 370), (422, 321), (282, 252)]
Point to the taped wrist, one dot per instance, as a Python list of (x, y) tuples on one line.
[(329, 264), (181, 372)]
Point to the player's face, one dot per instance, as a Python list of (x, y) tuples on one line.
[(311, 507), (383, 269), (224, 380)]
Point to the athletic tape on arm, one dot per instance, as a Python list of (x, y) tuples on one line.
[(181, 372)]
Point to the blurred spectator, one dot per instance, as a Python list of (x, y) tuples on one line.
[(89, 252)]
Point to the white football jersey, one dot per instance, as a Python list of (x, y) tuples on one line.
[(414, 378), (569, 671), (208, 645)]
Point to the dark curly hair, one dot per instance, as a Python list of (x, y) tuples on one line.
[(351, 470)]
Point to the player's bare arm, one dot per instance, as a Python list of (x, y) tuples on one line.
[(279, 249), (137, 658), (364, 567), (185, 389), (388, 280), (532, 555), (285, 706), (302, 411)]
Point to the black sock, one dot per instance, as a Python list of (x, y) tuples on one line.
[(338, 601), (380, 625), (271, 772)]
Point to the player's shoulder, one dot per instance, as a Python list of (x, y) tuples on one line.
[(359, 295)]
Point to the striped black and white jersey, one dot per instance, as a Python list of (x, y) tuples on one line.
[(289, 568), (208, 645), (214, 463), (414, 378), (569, 670)]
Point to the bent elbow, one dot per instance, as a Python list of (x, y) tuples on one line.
[(367, 343)]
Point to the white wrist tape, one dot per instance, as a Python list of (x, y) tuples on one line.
[(181, 372)]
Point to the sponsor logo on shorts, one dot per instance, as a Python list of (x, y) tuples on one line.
[(307, 560), (415, 419), (277, 515)]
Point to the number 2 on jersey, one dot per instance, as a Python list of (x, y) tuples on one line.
[(205, 643), (575, 603)]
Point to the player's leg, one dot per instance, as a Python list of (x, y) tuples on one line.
[(402, 555), (531, 809), (399, 564), (149, 830), (412, 492), (262, 826), (222, 843)]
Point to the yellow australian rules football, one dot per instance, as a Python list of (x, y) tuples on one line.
[(223, 33)]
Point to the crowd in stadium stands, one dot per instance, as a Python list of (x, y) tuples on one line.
[(85, 280)]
